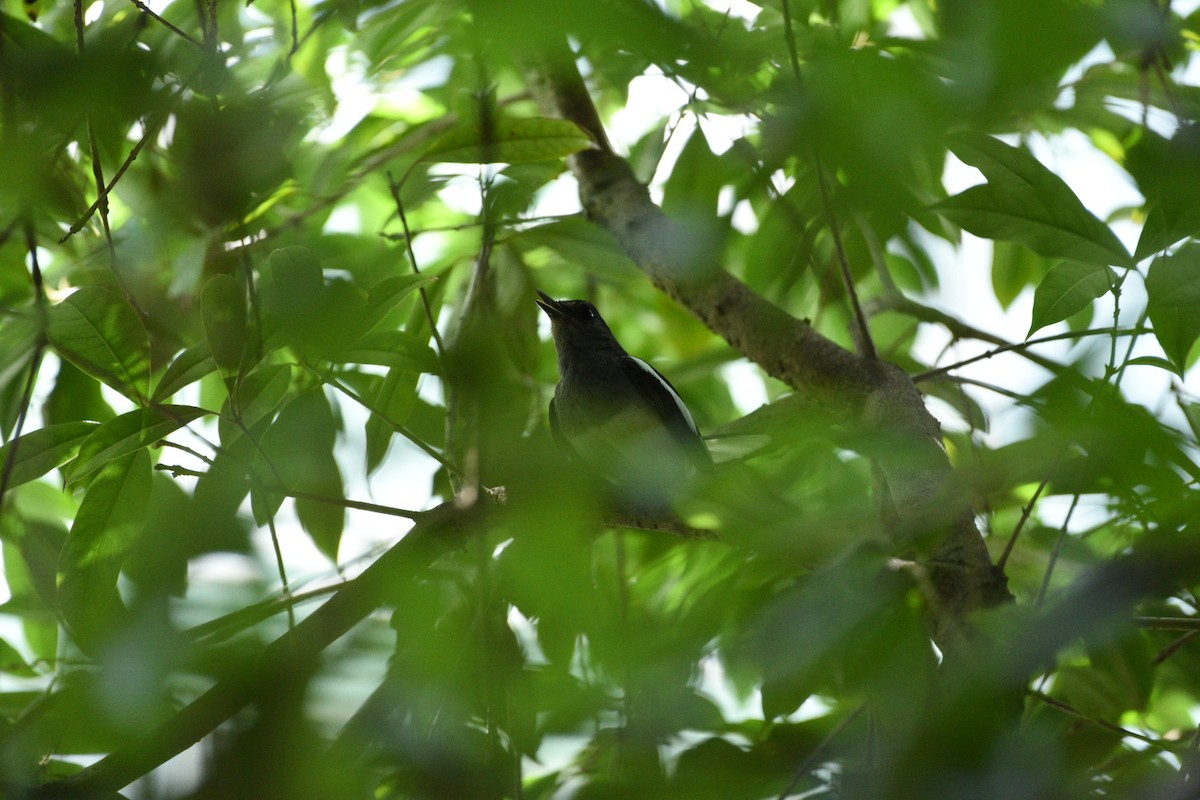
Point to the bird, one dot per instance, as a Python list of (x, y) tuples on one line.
[(617, 415)]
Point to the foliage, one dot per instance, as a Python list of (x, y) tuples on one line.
[(259, 260)]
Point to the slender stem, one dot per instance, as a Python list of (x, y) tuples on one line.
[(1020, 347), (1025, 512), (168, 25), (357, 505), (412, 259), (1058, 546), (35, 362), (820, 749)]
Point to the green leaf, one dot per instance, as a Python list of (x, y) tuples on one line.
[(1014, 267), (1173, 287), (128, 433), (42, 450), (109, 521), (262, 391), (299, 448), (395, 400), (1166, 173), (511, 140), (395, 349), (189, 366), (302, 311), (1150, 361), (223, 307), (13, 663), (1067, 289), (1025, 202), (99, 332), (388, 294), (259, 395), (579, 241)]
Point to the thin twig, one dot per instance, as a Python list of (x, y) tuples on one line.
[(1175, 646), (396, 426), (1059, 543), (820, 749), (35, 363), (281, 568), (102, 196), (176, 470), (412, 259), (1074, 712), (1025, 512), (169, 26), (865, 343), (1020, 347)]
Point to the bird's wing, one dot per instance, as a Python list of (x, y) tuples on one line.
[(559, 438), (668, 406)]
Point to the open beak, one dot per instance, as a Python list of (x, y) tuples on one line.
[(549, 305)]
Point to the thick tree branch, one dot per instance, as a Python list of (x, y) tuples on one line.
[(436, 532), (859, 391)]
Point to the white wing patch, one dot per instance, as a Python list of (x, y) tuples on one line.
[(683, 409)]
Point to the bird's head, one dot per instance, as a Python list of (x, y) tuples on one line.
[(577, 326)]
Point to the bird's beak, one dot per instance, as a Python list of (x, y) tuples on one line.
[(549, 305)]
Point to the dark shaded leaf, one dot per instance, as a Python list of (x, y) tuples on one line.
[(1067, 289), (1173, 286), (1027, 203)]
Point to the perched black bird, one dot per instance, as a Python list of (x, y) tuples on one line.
[(618, 415)]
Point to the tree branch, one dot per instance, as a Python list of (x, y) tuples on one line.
[(436, 532), (852, 389)]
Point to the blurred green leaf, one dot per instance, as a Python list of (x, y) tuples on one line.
[(578, 241), (1014, 267)]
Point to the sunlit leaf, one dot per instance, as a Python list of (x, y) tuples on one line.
[(42, 450), (128, 433), (108, 524), (99, 332), (511, 140), (189, 366)]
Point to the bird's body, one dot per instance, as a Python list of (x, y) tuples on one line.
[(616, 414)]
